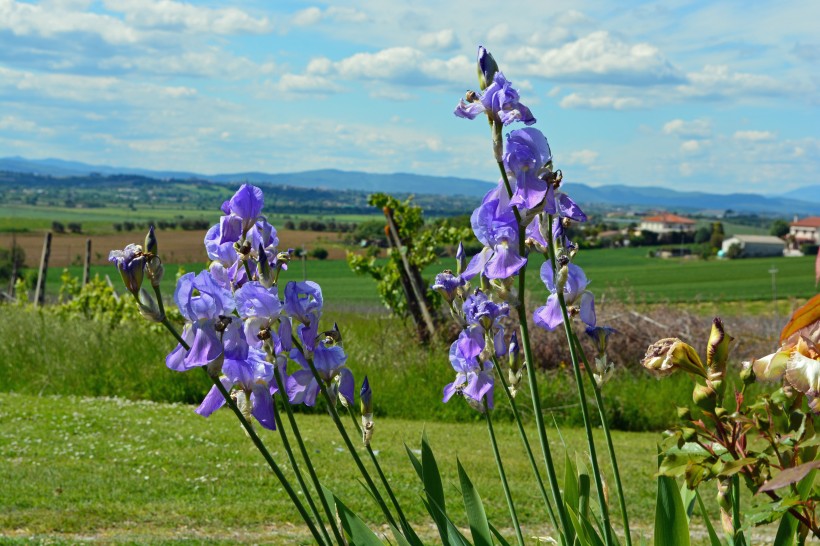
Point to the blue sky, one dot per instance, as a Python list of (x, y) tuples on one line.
[(702, 95)]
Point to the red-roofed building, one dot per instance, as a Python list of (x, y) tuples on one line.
[(667, 223), (806, 230)]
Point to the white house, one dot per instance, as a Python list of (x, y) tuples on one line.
[(752, 246), (667, 223), (806, 230)]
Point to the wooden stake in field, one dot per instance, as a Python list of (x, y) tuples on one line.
[(13, 265), (40, 292), (87, 263), (411, 282)]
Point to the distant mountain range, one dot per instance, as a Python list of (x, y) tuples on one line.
[(802, 201)]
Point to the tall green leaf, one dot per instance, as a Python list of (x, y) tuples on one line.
[(671, 521), (431, 478), (357, 531), (714, 540), (476, 517)]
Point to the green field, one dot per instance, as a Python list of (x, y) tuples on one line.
[(79, 469), (20, 217), (626, 274)]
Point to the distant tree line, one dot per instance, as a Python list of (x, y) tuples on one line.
[(186, 224)]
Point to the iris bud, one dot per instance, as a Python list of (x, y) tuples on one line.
[(151, 241), (487, 67), (461, 259), (366, 400)]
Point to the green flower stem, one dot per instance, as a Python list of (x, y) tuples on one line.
[(257, 441), (526, 442), (579, 381), (737, 536), (521, 309), (405, 524), (610, 447), (503, 476), (292, 458), (160, 304), (346, 438), (170, 328)]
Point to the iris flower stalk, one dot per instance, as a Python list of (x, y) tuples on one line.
[(257, 441), (331, 517), (613, 459), (566, 527), (331, 406), (573, 346), (405, 525), (579, 382)]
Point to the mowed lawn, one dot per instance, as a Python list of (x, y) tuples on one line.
[(79, 469), (109, 467), (627, 274)]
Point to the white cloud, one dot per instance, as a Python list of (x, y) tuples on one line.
[(598, 57), (697, 128), (306, 83), (442, 40), (574, 100), (16, 124), (691, 146), (404, 65), (754, 136), (172, 15), (24, 19), (210, 62), (718, 80), (313, 15), (319, 65), (581, 157), (89, 89)]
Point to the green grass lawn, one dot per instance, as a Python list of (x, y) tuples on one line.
[(138, 471)]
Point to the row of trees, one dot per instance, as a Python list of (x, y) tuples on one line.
[(73, 227), (186, 224)]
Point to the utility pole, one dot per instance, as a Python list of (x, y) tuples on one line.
[(773, 272)]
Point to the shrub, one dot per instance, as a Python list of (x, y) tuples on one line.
[(319, 253)]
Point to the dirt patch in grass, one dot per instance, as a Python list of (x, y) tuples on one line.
[(176, 246)]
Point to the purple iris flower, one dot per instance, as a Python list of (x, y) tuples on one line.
[(474, 379), (245, 204), (567, 208), (448, 284), (252, 375), (204, 304), (259, 308), (500, 101), (303, 301), (131, 264), (329, 359), (497, 229), (600, 335), (575, 292), (527, 154), (479, 309)]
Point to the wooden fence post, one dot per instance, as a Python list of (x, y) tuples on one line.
[(13, 264), (40, 292), (413, 275), (87, 265)]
